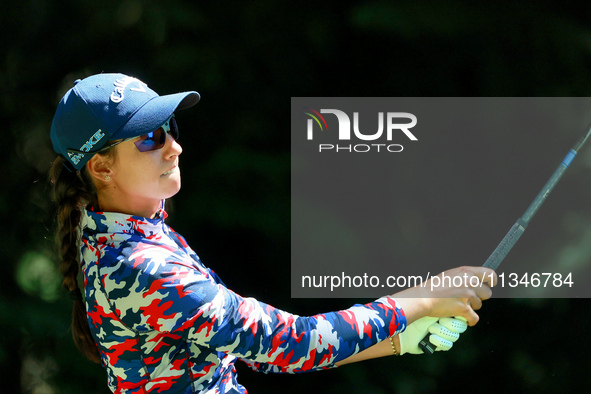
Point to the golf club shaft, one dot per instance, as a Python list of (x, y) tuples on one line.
[(518, 228)]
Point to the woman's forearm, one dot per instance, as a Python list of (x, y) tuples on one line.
[(378, 350)]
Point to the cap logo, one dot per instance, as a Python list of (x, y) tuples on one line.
[(88, 145), (120, 84)]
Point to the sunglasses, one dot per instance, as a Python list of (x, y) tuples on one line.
[(154, 140)]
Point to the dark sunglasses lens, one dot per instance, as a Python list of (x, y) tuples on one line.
[(151, 141), (174, 129), (156, 139)]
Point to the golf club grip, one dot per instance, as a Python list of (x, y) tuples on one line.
[(497, 256), (492, 262), (426, 346)]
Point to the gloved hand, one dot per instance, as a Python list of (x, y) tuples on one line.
[(444, 332)]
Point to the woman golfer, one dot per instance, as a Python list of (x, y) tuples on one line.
[(153, 314)]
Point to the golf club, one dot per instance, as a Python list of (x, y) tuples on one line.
[(518, 228)]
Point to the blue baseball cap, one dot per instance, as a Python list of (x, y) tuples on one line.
[(107, 107)]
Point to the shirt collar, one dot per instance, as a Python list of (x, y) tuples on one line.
[(120, 223)]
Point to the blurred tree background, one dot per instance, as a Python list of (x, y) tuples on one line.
[(247, 60)]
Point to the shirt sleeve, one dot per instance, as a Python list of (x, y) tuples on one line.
[(180, 298)]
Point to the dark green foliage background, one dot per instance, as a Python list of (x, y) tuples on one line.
[(247, 59)]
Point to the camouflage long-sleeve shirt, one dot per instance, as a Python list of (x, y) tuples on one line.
[(164, 322)]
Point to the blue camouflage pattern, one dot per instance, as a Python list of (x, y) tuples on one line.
[(163, 322)]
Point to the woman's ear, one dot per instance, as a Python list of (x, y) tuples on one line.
[(99, 169)]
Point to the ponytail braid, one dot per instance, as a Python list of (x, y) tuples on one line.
[(72, 191)]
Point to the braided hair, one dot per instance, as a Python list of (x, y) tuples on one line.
[(72, 192)]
